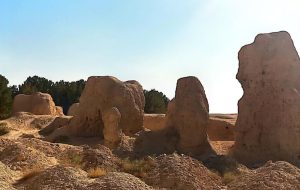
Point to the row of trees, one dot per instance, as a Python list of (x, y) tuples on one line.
[(5, 98), (65, 93)]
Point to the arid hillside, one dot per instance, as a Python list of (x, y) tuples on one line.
[(107, 142)]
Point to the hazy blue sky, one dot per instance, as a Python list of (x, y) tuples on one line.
[(152, 41)]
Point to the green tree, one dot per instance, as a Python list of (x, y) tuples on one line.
[(14, 90), (67, 93), (156, 102), (5, 98), (36, 84), (64, 93)]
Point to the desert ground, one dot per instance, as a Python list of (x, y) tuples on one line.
[(107, 142)]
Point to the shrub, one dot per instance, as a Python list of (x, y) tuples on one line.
[(155, 101), (96, 172), (4, 129), (228, 177), (221, 164), (5, 98), (73, 159), (138, 168)]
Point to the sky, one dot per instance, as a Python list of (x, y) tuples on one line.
[(152, 41)]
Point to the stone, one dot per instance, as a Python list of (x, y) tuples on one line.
[(103, 93), (268, 123), (73, 109), (112, 131), (188, 115), (37, 103)]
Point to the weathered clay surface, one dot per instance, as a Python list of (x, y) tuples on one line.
[(188, 114), (58, 122), (38, 104), (112, 131), (73, 109), (221, 127), (268, 124), (154, 122), (103, 93)]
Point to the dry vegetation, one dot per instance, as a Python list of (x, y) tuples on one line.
[(138, 168), (4, 129), (72, 160), (96, 172)]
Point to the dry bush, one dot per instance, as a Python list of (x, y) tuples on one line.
[(73, 159), (138, 168), (96, 172), (228, 177), (4, 129), (221, 164)]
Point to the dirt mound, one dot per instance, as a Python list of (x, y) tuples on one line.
[(118, 181), (99, 157), (58, 177), (58, 122), (47, 148), (25, 124), (279, 175), (28, 120), (181, 173), (19, 157), (7, 176)]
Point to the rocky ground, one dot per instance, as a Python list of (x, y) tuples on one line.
[(29, 161)]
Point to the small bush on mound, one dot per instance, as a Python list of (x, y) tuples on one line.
[(138, 168), (73, 160), (229, 177), (221, 164), (61, 139), (4, 129), (96, 172)]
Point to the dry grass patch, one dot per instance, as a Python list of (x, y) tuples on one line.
[(138, 168), (228, 177), (72, 159), (96, 172), (4, 129)]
